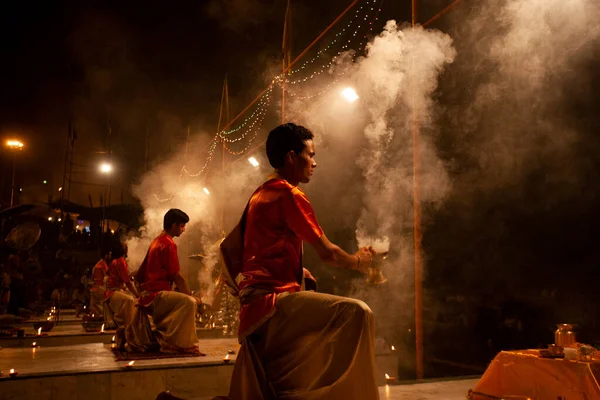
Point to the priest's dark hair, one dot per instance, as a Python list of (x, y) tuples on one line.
[(284, 138), (118, 250), (175, 216)]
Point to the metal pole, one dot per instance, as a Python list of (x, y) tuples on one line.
[(12, 192), (418, 235), (70, 169), (287, 51), (62, 192), (223, 109)]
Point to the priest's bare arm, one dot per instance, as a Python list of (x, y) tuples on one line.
[(333, 255)]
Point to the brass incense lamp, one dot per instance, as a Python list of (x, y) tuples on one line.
[(375, 276)]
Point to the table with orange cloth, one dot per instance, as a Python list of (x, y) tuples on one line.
[(525, 375)]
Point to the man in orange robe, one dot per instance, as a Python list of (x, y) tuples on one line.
[(173, 313), (297, 344), (119, 305), (97, 289)]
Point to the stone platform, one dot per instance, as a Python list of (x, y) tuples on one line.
[(89, 371), (435, 390), (68, 335)]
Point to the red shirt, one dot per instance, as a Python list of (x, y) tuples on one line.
[(118, 275), (160, 267), (279, 218), (98, 273)]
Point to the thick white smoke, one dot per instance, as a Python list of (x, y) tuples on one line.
[(398, 77), (520, 53)]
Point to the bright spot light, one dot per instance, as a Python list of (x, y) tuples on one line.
[(12, 371), (253, 161), (393, 348), (60, 188), (77, 227), (60, 219), (387, 376), (131, 363), (15, 144), (20, 189), (112, 231), (206, 190), (105, 168), (49, 218), (350, 94), (45, 181)]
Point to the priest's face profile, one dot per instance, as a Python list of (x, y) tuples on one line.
[(303, 164), (177, 230)]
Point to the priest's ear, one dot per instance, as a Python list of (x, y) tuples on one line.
[(290, 156)]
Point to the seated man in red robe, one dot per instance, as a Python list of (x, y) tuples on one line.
[(97, 290), (295, 343), (118, 303), (173, 313)]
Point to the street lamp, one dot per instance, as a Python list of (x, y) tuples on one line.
[(105, 168), (16, 146), (350, 94), (253, 161)]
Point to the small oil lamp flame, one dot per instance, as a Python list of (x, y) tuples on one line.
[(34, 344), (393, 348), (102, 329), (39, 331), (48, 318), (130, 364), (12, 373), (389, 379), (226, 359), (114, 339)]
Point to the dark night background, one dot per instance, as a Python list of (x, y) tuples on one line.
[(504, 262)]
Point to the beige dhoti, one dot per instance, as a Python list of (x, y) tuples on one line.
[(316, 346), (120, 308), (174, 317), (97, 300)]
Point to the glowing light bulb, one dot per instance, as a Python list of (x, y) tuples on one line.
[(105, 168), (350, 94), (253, 161)]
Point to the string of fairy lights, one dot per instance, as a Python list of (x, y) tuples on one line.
[(248, 130)]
